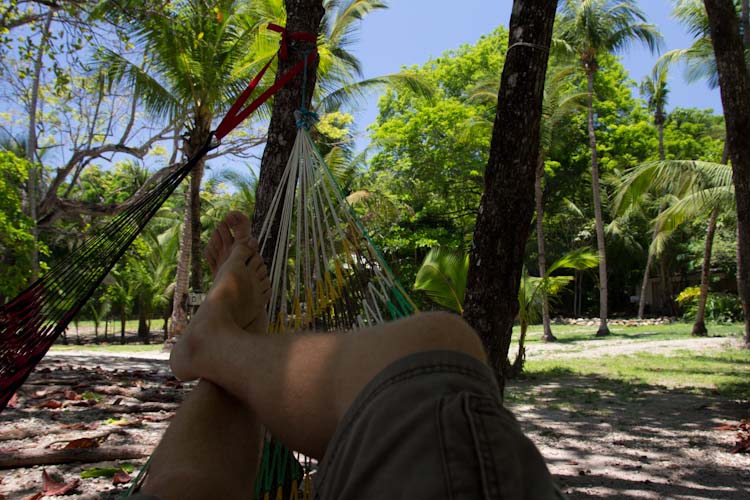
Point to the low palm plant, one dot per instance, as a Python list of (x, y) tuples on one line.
[(443, 273)]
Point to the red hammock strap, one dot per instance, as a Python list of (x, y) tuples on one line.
[(237, 113)]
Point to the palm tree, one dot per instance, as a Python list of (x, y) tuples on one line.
[(702, 64), (654, 89), (588, 30), (696, 189), (195, 54)]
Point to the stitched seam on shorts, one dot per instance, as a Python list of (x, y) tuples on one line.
[(398, 378), (484, 448), (441, 437)]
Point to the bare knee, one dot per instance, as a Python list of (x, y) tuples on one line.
[(448, 331)]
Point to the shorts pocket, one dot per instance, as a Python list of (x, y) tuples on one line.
[(478, 441)]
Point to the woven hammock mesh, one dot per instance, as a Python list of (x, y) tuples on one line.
[(326, 275), (32, 321)]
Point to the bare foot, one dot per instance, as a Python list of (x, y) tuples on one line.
[(237, 298)]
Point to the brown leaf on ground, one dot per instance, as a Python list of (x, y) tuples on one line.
[(88, 442), (13, 403), (727, 427), (72, 395), (81, 426), (52, 404), (51, 487), (157, 418), (121, 477)]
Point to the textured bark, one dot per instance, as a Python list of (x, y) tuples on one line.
[(542, 259), (303, 16), (699, 327), (31, 145), (179, 315), (735, 97), (598, 216), (507, 205), (198, 136), (659, 122)]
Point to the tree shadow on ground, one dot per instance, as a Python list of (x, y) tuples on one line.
[(611, 438)]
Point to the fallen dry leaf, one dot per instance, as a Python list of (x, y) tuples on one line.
[(52, 404), (13, 402), (157, 418), (50, 487), (121, 477), (72, 395), (725, 427), (81, 426), (89, 442)]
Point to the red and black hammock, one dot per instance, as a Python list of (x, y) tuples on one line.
[(32, 321)]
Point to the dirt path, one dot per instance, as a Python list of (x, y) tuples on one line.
[(620, 346), (618, 440)]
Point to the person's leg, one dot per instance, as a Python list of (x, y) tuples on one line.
[(300, 385), (212, 446)]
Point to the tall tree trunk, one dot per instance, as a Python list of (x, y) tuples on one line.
[(303, 16), (745, 24), (547, 336), (659, 121), (31, 146), (144, 329), (504, 218), (598, 216), (179, 314), (734, 82), (198, 135), (699, 327)]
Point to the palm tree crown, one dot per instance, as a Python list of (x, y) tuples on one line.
[(589, 28)]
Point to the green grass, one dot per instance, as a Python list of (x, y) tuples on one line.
[(575, 333), (108, 348), (722, 372)]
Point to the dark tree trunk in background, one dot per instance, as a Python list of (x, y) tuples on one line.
[(699, 327), (547, 336), (303, 16), (735, 98), (504, 218), (598, 215)]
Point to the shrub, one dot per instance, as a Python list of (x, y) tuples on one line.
[(720, 307)]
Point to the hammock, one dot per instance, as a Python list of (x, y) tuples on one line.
[(326, 273)]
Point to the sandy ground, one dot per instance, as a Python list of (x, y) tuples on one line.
[(631, 441)]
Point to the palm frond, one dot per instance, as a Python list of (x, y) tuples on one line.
[(442, 277)]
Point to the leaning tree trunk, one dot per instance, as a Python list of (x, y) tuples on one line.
[(699, 327), (31, 146), (179, 313), (659, 121), (303, 16), (734, 82), (504, 218), (539, 198), (200, 133), (599, 218)]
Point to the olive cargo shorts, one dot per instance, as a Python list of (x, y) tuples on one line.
[(431, 427)]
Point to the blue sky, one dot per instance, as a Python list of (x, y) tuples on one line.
[(413, 31)]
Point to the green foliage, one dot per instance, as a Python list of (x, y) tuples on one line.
[(720, 307), (442, 277), (425, 162), (16, 241), (108, 472)]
